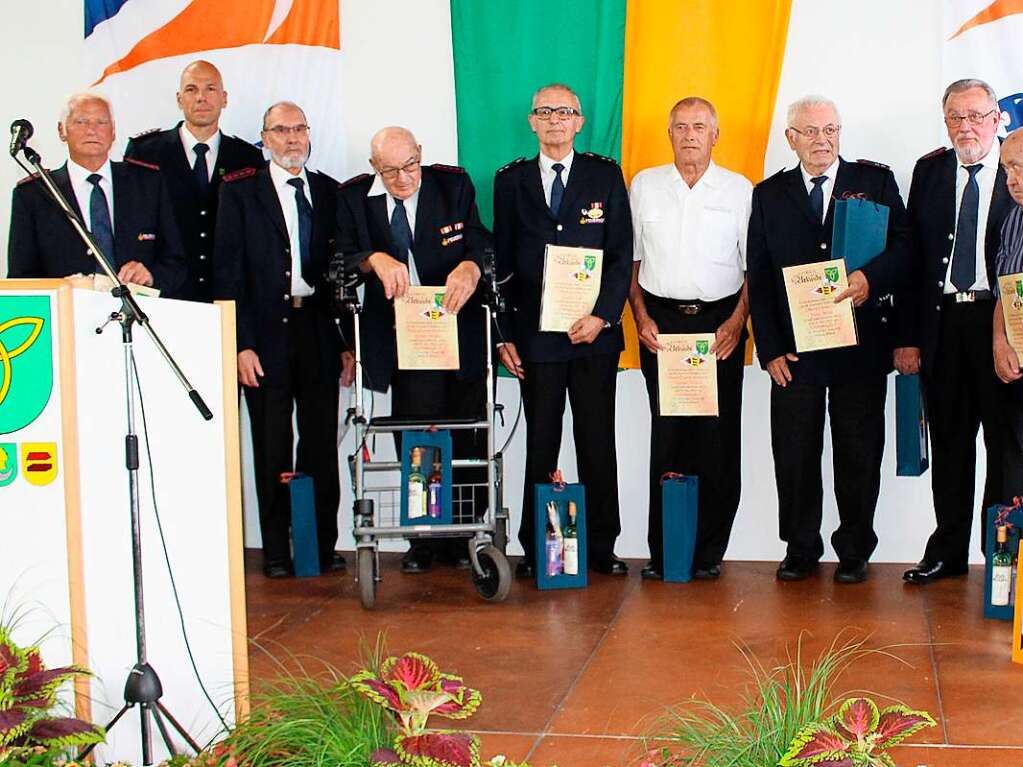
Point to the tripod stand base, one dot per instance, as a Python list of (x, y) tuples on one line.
[(143, 685)]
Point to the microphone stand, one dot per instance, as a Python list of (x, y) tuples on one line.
[(143, 686)]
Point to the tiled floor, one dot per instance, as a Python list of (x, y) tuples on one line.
[(581, 678)]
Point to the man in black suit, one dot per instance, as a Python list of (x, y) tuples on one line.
[(195, 156), (957, 203), (413, 225), (563, 197), (275, 236), (125, 205), (791, 223)]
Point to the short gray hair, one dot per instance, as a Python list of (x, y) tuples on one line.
[(560, 87), (809, 102), (77, 98), (277, 104), (968, 84), (694, 101)]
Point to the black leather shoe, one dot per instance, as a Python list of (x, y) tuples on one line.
[(611, 565), (927, 571), (707, 572), (795, 568), (525, 569), (416, 560), (276, 570), (651, 572), (335, 564), (851, 571)]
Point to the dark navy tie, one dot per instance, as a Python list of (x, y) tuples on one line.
[(817, 197), (557, 190), (964, 254), (99, 216), (201, 172), (305, 226), (401, 231)]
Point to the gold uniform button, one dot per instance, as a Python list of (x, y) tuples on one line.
[(951, 236), (560, 227), (824, 246)]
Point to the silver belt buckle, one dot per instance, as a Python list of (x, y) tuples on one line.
[(689, 308), (966, 297)]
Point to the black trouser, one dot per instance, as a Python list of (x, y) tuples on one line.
[(590, 385), (315, 403), (1012, 455), (443, 394), (856, 410), (963, 393), (706, 446)]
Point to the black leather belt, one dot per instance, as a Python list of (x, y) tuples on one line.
[(969, 296), (688, 307)]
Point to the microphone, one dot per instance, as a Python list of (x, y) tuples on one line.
[(21, 132)]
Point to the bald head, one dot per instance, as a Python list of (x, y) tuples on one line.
[(201, 97), (1011, 158), (391, 139), (395, 156)]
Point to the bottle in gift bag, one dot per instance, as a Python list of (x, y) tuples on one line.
[(416, 486), (571, 535), (553, 541), (1001, 570), (433, 492)]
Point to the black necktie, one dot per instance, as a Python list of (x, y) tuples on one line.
[(401, 231), (99, 216), (817, 197), (964, 254), (305, 225), (558, 189), (201, 172)]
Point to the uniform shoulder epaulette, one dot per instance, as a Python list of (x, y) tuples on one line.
[(145, 134), (448, 168), (25, 180), (142, 163), (354, 180), (876, 164), (935, 153), (239, 174), (596, 156), (512, 164)]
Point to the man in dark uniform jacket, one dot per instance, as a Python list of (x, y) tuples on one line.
[(791, 223), (194, 157), (957, 203), (562, 197), (413, 225), (275, 236), (125, 205)]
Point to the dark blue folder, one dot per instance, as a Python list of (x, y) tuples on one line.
[(860, 231)]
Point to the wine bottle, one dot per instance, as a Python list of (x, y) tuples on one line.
[(571, 542), (416, 486), (555, 563), (1001, 570), (433, 492)]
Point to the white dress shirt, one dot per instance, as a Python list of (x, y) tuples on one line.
[(188, 141), (986, 182), (547, 173), (82, 188), (289, 206), (411, 204), (827, 188), (690, 242)]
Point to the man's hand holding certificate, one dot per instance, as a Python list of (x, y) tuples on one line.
[(427, 333), (818, 322), (687, 374), (571, 284)]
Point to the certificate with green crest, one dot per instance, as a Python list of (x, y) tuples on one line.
[(817, 321), (1010, 290), (687, 374), (571, 284), (427, 332)]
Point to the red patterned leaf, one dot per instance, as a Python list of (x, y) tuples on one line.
[(65, 731), (440, 748), (858, 717), (11, 719), (813, 744), (896, 723), (35, 662), (384, 757), (30, 685), (413, 670)]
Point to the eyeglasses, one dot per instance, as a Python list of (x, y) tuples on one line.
[(953, 120), (829, 131), (544, 113), (409, 168), (287, 130)]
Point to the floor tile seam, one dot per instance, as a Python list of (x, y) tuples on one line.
[(632, 586), (934, 667)]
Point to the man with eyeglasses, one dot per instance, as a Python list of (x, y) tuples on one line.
[(194, 156), (957, 203), (791, 223), (410, 224), (568, 198), (125, 205), (275, 236)]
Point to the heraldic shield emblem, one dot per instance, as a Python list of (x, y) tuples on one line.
[(26, 360), (8, 463)]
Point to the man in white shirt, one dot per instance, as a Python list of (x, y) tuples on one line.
[(689, 276)]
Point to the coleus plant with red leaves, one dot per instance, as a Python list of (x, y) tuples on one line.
[(857, 736), (413, 689), (28, 695)]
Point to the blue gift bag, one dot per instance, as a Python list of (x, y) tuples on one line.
[(1013, 517), (679, 505), (305, 550), (440, 440), (911, 450), (859, 232), (561, 494)]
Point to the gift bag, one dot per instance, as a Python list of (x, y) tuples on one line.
[(679, 504), (305, 549), (859, 232), (430, 491), (995, 517), (911, 449), (560, 546)]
